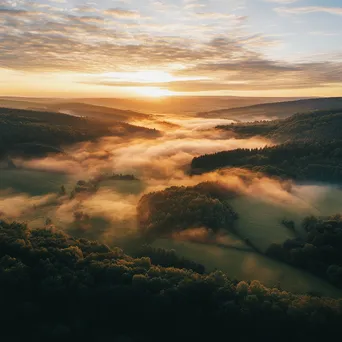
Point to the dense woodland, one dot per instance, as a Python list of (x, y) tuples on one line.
[(320, 252), (166, 258), (34, 133), (311, 148), (310, 161), (54, 287), (312, 126), (179, 208)]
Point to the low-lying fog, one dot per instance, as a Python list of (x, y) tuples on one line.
[(31, 193)]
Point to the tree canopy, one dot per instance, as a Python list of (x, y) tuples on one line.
[(26, 132), (320, 251), (313, 161), (179, 208), (54, 287)]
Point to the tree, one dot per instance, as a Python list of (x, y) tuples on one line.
[(62, 191)]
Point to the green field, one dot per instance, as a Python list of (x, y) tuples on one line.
[(249, 266), (260, 222), (35, 183)]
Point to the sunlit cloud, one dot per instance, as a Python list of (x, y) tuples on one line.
[(192, 46)]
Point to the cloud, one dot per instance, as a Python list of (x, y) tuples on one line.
[(121, 13), (193, 43), (86, 9), (250, 74), (282, 1), (310, 9), (218, 16), (14, 12), (16, 205)]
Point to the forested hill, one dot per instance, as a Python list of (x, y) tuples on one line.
[(73, 107), (57, 288), (41, 130), (97, 112), (275, 110), (312, 161), (316, 126)]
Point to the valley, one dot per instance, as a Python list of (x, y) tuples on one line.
[(30, 186)]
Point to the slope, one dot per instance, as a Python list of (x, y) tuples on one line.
[(317, 126), (274, 110), (45, 131)]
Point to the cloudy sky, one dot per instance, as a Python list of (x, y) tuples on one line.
[(165, 47)]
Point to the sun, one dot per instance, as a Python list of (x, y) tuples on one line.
[(145, 83), (153, 92), (142, 76)]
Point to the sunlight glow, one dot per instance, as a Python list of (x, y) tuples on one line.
[(146, 76), (153, 92)]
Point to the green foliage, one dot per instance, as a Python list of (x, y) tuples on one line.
[(315, 161), (179, 208), (320, 252), (114, 176), (313, 126), (167, 258), (311, 148), (54, 287), (25, 132)]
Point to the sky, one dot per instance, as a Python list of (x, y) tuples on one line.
[(155, 48)]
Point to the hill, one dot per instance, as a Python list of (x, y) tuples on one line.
[(97, 112), (276, 110), (176, 209), (73, 108), (61, 288), (310, 161), (22, 128), (310, 148), (316, 126), (319, 251), (166, 105)]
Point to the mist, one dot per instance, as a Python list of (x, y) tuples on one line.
[(157, 163), (109, 213)]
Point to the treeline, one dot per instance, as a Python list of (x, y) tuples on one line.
[(179, 208), (320, 252), (276, 109), (314, 161), (54, 287), (114, 176), (312, 126), (167, 258), (26, 132)]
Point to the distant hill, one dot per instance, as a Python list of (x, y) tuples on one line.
[(73, 108), (182, 104), (310, 149), (167, 105), (315, 161), (20, 129), (318, 125), (98, 112), (274, 110)]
